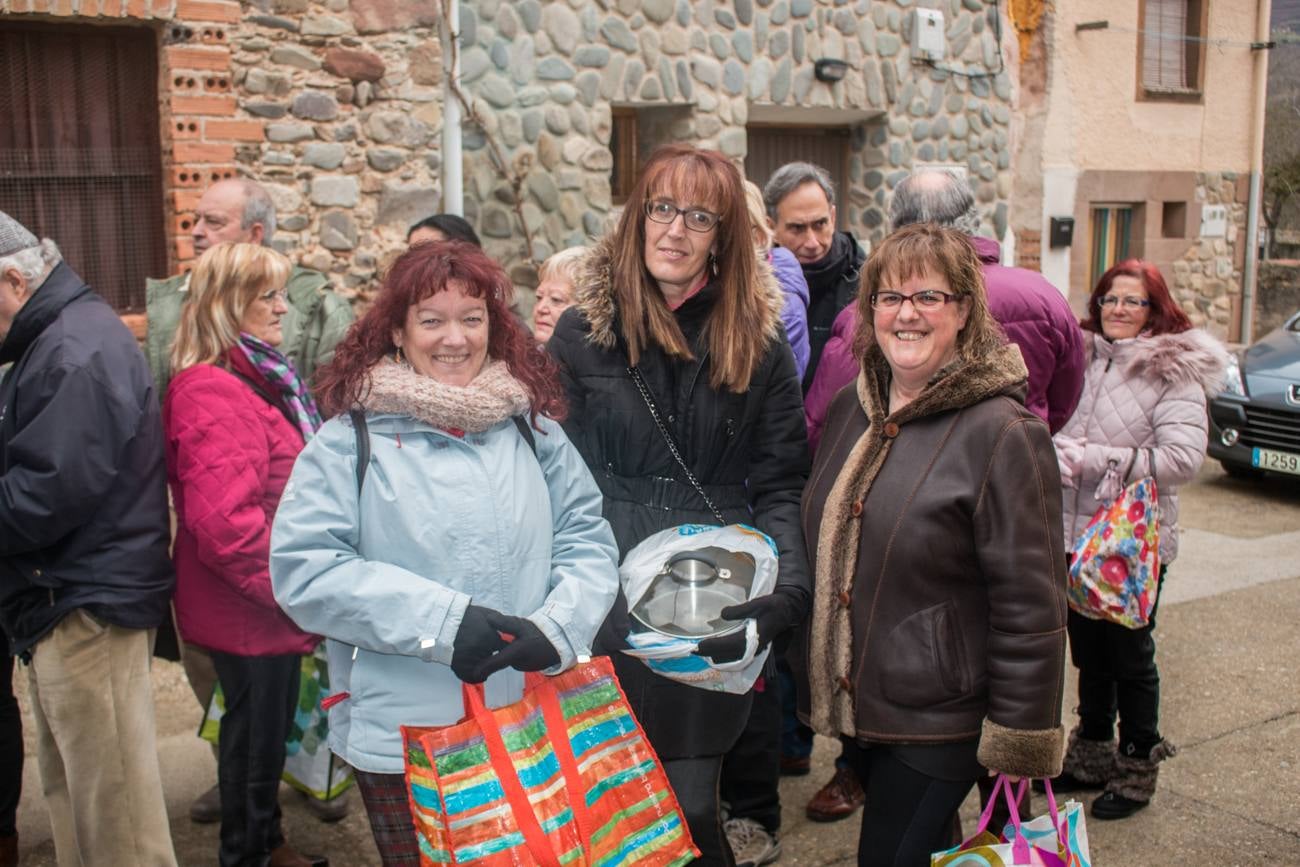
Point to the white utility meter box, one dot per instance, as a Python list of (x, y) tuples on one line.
[(928, 35)]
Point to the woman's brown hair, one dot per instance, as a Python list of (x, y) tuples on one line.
[(736, 335), (912, 251)]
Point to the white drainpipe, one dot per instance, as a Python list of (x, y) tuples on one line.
[(453, 180), (1250, 277)]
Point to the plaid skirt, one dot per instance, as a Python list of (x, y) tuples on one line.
[(389, 812)]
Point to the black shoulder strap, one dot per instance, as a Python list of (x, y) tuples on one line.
[(358, 417), (525, 431)]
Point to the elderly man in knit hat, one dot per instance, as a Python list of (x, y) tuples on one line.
[(84, 573)]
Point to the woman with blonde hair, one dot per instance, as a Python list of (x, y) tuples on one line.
[(235, 418), (555, 281), (685, 402)]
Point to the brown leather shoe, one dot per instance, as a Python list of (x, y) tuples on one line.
[(795, 766), (286, 856), (838, 799), (9, 851)]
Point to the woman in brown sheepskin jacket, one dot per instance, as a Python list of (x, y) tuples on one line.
[(937, 638), (1143, 413)]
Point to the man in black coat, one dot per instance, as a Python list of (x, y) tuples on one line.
[(84, 572)]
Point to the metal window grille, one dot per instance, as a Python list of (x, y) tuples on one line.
[(80, 158)]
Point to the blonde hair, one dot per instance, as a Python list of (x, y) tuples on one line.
[(758, 217), (564, 265), (225, 281)]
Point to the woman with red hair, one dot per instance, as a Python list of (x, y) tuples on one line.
[(1142, 413), (472, 517)]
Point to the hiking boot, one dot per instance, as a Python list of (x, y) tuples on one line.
[(206, 809), (1089, 765), (751, 843), (1133, 784), (838, 799)]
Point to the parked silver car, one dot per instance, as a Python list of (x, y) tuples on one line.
[(1255, 420)]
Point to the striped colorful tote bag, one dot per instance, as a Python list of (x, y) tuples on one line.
[(564, 776)]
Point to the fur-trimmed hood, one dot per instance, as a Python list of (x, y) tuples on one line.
[(1175, 359), (594, 295)]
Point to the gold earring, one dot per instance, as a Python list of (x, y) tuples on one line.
[(401, 359)]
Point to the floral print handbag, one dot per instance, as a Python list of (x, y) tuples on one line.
[(1115, 562)]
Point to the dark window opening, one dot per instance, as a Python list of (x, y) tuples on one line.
[(1173, 220), (80, 157)]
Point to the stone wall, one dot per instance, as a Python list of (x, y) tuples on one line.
[(546, 75), (1206, 279)]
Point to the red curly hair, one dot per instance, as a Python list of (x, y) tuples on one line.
[(1165, 316), (420, 272)]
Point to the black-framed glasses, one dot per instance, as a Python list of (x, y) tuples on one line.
[(926, 299), (1130, 301), (695, 219)]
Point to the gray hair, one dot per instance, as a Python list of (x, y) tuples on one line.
[(258, 208), (791, 177), (934, 196), (34, 263)]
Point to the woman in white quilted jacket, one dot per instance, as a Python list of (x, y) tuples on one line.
[(1142, 413)]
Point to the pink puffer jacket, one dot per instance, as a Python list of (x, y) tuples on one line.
[(1143, 398), (229, 455)]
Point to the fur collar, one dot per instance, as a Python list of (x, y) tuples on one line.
[(1177, 359), (494, 396), (594, 295), (960, 384)]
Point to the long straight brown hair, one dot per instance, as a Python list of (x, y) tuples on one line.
[(737, 331)]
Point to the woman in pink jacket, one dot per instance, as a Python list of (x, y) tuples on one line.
[(1142, 413), (235, 418)]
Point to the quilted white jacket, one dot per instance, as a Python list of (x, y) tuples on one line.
[(1142, 398)]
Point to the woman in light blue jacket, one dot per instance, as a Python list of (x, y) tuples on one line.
[(472, 517)]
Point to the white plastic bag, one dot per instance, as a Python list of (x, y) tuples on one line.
[(674, 657)]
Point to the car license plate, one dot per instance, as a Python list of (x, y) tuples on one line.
[(1278, 462)]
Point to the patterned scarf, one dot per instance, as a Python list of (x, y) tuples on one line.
[(280, 373)]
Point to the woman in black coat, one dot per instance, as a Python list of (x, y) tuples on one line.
[(676, 291)]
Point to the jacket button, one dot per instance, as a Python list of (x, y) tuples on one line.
[(845, 599), (845, 685), (891, 430), (36, 573), (856, 508)]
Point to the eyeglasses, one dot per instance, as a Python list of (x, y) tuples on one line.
[(695, 219), (1129, 301), (926, 299), (273, 296)]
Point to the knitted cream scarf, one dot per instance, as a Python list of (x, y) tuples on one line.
[(494, 396), (830, 644)]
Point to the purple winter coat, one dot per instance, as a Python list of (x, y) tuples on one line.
[(794, 315), (1034, 315)]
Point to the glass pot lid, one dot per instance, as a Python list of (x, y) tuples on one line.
[(685, 599)]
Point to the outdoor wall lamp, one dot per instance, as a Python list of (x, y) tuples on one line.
[(830, 70)]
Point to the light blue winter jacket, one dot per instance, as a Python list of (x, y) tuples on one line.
[(440, 521)]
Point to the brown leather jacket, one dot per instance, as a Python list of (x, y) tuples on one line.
[(946, 620)]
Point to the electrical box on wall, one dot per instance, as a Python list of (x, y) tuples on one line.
[(928, 38)]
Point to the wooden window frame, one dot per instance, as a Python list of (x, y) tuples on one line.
[(1112, 209), (623, 145), (1198, 11)]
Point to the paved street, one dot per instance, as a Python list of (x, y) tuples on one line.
[(1228, 649)]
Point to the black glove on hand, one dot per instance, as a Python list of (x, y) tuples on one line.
[(475, 642), (529, 651), (773, 614)]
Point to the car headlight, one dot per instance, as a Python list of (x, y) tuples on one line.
[(1233, 383)]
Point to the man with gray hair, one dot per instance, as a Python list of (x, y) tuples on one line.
[(1033, 313), (84, 574), (241, 210), (800, 201)]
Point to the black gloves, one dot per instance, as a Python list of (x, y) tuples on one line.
[(529, 651), (475, 642), (773, 614), (479, 649)]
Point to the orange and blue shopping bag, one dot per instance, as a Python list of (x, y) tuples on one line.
[(564, 776)]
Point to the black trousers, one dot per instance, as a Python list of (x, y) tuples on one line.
[(261, 694), (695, 782), (1117, 676), (908, 815), (11, 746), (751, 770)]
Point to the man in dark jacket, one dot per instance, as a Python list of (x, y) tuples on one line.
[(84, 572), (800, 200)]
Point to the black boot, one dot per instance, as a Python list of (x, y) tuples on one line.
[(1133, 784)]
